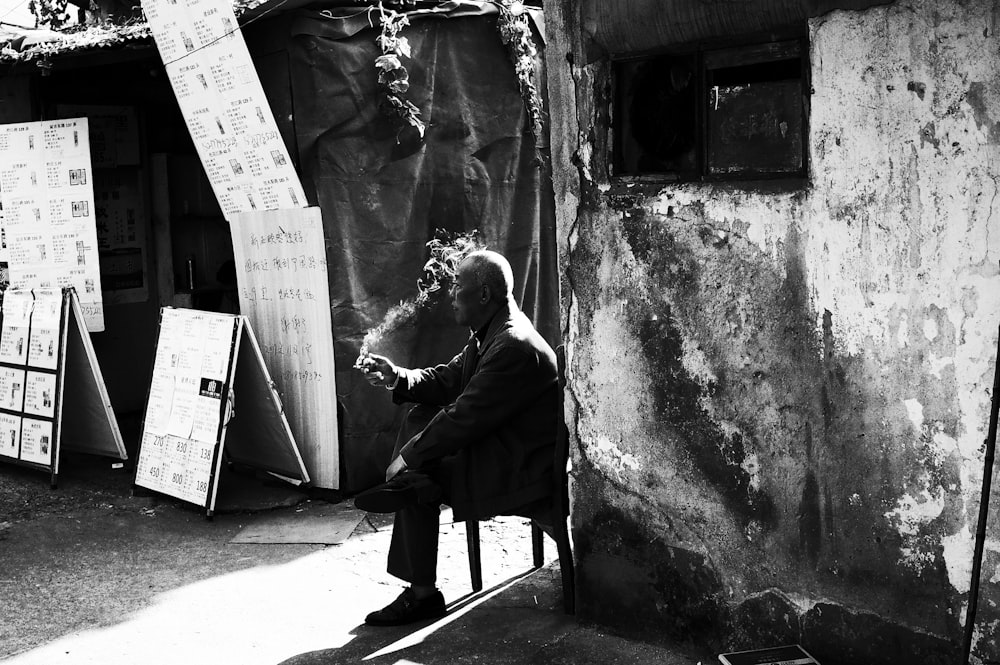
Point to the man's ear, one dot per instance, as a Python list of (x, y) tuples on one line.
[(484, 294)]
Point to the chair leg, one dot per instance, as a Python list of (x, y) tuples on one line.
[(537, 545), (475, 562), (566, 568)]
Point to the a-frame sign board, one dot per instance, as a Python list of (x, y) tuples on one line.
[(210, 397), (46, 354)]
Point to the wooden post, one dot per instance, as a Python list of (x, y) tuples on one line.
[(984, 507)]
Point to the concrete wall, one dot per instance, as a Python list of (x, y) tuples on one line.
[(779, 394)]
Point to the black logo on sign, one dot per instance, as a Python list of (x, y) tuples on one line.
[(210, 388)]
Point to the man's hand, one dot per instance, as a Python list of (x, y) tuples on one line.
[(378, 370), (397, 466)]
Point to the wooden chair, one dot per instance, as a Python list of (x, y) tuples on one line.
[(560, 507)]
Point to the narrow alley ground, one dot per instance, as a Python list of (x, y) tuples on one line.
[(90, 573)]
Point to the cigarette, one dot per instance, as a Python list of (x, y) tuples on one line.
[(363, 362)]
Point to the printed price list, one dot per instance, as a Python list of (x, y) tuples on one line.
[(29, 355), (183, 418), (176, 466)]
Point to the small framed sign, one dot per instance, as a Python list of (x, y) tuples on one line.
[(792, 654)]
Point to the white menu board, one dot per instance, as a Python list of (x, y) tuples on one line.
[(183, 420), (223, 103), (47, 196), (29, 340)]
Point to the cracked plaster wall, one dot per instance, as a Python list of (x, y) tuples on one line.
[(778, 395)]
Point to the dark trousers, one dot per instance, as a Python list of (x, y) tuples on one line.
[(414, 547)]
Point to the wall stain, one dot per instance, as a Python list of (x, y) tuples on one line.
[(810, 523), (719, 456), (687, 290), (673, 593), (677, 395), (981, 110), (928, 135)]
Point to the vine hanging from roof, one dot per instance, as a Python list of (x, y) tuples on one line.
[(515, 33), (393, 79), (51, 13)]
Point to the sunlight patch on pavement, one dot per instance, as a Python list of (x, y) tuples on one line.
[(271, 613), (262, 615)]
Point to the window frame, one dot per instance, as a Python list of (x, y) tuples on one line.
[(761, 49)]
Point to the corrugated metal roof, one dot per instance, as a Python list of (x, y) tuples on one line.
[(40, 45)]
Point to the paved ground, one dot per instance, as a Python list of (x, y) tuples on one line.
[(90, 573)]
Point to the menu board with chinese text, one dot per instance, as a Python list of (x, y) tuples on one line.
[(47, 356), (49, 232), (223, 104), (28, 390), (192, 372), (196, 378)]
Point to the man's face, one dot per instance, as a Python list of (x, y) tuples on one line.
[(467, 297)]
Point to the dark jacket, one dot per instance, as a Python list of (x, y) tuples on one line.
[(498, 418)]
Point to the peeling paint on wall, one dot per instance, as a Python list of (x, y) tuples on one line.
[(791, 385)]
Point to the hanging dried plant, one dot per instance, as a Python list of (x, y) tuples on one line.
[(393, 79), (515, 33), (51, 13)]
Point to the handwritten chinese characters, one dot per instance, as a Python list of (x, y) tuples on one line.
[(284, 293)]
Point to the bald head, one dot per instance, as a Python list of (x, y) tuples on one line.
[(484, 284), (492, 270)]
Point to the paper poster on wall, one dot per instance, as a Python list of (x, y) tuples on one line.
[(114, 133), (223, 103), (47, 196), (118, 199), (121, 235), (284, 291), (16, 326)]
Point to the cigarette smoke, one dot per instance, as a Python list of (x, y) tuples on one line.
[(447, 251)]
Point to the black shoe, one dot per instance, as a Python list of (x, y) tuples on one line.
[(386, 498), (407, 609)]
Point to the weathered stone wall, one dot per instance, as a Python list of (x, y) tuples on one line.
[(779, 394)]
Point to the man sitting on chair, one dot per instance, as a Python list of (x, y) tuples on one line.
[(482, 439)]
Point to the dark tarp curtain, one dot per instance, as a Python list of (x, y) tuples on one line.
[(382, 200)]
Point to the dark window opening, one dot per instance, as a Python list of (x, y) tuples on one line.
[(657, 116), (724, 114)]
